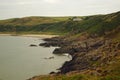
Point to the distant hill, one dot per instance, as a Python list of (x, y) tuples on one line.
[(29, 21), (97, 24), (28, 24)]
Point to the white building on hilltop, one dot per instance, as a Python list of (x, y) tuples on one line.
[(76, 19)]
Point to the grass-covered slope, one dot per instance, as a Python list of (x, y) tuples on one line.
[(94, 44), (29, 21), (96, 25), (30, 24)]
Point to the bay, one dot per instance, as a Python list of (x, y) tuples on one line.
[(19, 61)]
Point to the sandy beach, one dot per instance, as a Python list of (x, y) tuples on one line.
[(5, 34), (39, 36), (31, 35)]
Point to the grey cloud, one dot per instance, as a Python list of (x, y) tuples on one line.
[(19, 8)]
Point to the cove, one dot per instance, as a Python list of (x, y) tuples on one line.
[(19, 61)]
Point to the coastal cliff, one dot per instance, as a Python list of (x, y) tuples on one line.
[(92, 41), (95, 50)]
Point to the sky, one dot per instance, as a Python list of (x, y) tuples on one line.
[(23, 8)]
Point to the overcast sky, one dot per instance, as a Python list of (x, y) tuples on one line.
[(22, 8)]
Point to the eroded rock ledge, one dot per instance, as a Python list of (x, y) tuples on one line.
[(87, 53)]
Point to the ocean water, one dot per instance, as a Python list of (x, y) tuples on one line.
[(19, 61)]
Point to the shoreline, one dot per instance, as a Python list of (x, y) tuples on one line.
[(31, 35)]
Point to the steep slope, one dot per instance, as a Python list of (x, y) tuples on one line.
[(94, 44)]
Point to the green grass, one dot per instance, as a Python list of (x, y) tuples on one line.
[(111, 78), (98, 24), (61, 77)]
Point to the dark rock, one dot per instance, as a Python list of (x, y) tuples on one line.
[(77, 63), (60, 50), (99, 71), (52, 72), (33, 45), (44, 44), (57, 51), (97, 44), (119, 46), (95, 58), (51, 57), (56, 42)]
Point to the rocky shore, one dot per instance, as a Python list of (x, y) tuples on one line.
[(92, 55), (85, 52)]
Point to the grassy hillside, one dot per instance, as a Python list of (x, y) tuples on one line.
[(95, 25), (30, 24), (30, 21), (94, 44)]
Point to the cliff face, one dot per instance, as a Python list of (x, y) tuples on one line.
[(92, 57), (95, 50), (97, 53)]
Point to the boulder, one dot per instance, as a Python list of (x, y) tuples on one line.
[(33, 45)]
